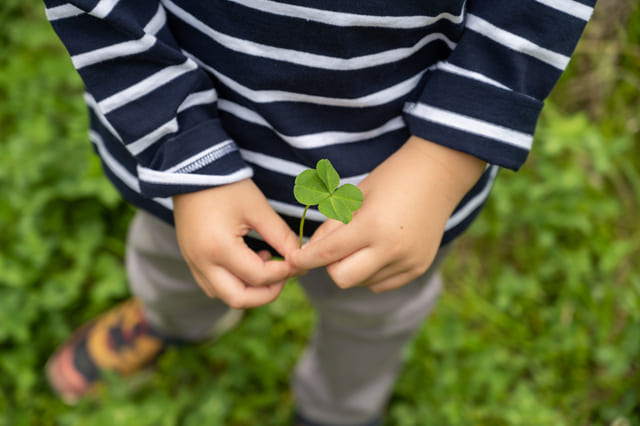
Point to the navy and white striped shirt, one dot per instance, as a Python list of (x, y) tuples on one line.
[(190, 94)]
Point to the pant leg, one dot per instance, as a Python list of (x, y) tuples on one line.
[(158, 275), (354, 357)]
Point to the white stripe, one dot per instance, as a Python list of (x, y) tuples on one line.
[(198, 98), (516, 42), (103, 8), (274, 164), (286, 167), (242, 113), (305, 58), (473, 203), (117, 50), (91, 103), (117, 168), (296, 211), (125, 48), (454, 69), (61, 12), (203, 158), (313, 140), (154, 136), (571, 7), (328, 138), (120, 172), (164, 202), (162, 178), (471, 125), (156, 23), (145, 86), (341, 19), (267, 96)]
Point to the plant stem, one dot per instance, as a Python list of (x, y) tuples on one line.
[(304, 214)]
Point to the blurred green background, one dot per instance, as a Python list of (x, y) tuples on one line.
[(540, 323)]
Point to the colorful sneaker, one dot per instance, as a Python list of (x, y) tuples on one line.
[(120, 340)]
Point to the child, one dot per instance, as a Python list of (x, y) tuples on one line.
[(203, 113)]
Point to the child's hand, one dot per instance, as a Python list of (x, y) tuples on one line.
[(395, 235), (210, 225)]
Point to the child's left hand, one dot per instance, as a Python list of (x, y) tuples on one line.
[(394, 237)]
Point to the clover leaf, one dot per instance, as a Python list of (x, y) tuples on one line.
[(321, 186)]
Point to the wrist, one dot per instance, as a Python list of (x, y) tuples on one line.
[(459, 170), (213, 202)]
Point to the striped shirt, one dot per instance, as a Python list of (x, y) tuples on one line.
[(191, 94)]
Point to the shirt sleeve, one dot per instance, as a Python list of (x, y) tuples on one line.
[(152, 98), (486, 98)]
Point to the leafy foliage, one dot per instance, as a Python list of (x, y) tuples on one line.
[(539, 324), (541, 320)]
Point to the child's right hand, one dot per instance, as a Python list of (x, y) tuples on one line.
[(210, 225)]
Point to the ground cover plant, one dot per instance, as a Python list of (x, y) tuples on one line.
[(321, 186), (539, 323)]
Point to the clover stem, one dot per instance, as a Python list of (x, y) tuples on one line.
[(304, 214)]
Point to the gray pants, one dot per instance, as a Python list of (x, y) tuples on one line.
[(353, 358)]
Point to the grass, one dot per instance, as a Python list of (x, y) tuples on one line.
[(539, 324)]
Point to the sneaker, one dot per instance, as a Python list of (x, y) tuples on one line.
[(119, 341)]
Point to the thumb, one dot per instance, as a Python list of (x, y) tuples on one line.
[(272, 228), (332, 245), (327, 227)]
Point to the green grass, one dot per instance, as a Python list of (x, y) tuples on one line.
[(539, 324)]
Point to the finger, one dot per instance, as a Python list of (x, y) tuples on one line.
[(385, 272), (235, 293), (253, 269), (264, 255), (327, 226), (405, 267), (357, 268), (392, 283), (273, 229), (275, 232), (330, 248), (204, 284)]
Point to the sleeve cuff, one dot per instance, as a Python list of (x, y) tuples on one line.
[(472, 116), (207, 157)]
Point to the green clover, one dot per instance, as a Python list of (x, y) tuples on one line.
[(320, 186)]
